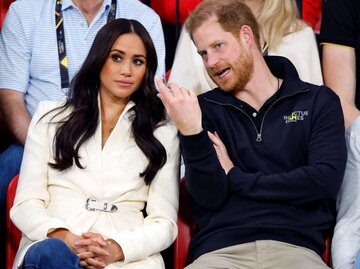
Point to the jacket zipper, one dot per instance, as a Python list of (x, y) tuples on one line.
[(258, 132)]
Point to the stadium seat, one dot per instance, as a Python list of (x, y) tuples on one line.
[(4, 6), (13, 235)]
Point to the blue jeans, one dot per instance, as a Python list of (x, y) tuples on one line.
[(357, 261), (51, 253), (10, 161)]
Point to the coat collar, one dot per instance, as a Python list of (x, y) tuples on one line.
[(281, 67)]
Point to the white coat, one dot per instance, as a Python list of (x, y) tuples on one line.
[(47, 199)]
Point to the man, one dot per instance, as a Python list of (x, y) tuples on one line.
[(264, 152), (35, 35)]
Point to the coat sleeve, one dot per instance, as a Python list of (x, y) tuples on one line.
[(32, 196), (346, 239), (160, 225)]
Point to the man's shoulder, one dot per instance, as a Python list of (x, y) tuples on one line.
[(34, 6), (322, 97), (30, 12), (212, 95)]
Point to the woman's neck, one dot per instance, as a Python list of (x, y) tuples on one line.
[(255, 6)]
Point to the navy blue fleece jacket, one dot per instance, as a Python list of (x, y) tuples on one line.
[(288, 166)]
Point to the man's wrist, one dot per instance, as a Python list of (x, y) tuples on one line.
[(194, 131)]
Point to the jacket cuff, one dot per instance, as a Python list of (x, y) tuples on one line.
[(195, 146)]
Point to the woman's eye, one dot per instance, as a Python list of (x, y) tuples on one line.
[(116, 58), (138, 62)]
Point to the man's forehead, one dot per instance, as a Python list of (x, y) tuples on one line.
[(204, 33)]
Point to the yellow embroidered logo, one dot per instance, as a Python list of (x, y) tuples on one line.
[(296, 116)]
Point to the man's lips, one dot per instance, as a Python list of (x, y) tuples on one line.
[(222, 73)]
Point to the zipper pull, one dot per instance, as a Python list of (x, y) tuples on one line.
[(258, 138)]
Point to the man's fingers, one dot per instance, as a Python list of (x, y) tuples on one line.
[(163, 89)]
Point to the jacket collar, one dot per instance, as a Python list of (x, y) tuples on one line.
[(282, 68)]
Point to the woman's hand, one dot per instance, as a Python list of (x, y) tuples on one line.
[(69, 239), (99, 252), (90, 247), (221, 152)]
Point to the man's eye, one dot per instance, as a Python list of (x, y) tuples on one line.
[(203, 54)]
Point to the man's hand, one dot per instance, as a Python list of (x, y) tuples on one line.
[(182, 107)]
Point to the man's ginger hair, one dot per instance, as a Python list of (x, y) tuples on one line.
[(231, 15)]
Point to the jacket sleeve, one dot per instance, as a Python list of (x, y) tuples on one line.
[(319, 179), (205, 181), (32, 195), (346, 239), (160, 225)]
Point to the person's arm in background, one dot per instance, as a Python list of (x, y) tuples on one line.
[(15, 53), (152, 23), (339, 71), (17, 117), (338, 37)]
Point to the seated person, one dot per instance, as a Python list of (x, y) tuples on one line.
[(264, 152), (93, 164), (282, 33)]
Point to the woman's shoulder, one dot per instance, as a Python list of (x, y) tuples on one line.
[(166, 126), (48, 105), (166, 131), (300, 25), (296, 39), (49, 109), (300, 30)]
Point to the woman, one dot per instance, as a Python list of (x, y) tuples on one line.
[(93, 166), (282, 34)]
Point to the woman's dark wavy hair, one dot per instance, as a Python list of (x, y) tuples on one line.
[(80, 125)]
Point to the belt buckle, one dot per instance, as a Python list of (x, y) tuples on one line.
[(93, 205)]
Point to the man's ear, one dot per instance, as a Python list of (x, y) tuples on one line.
[(246, 35)]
